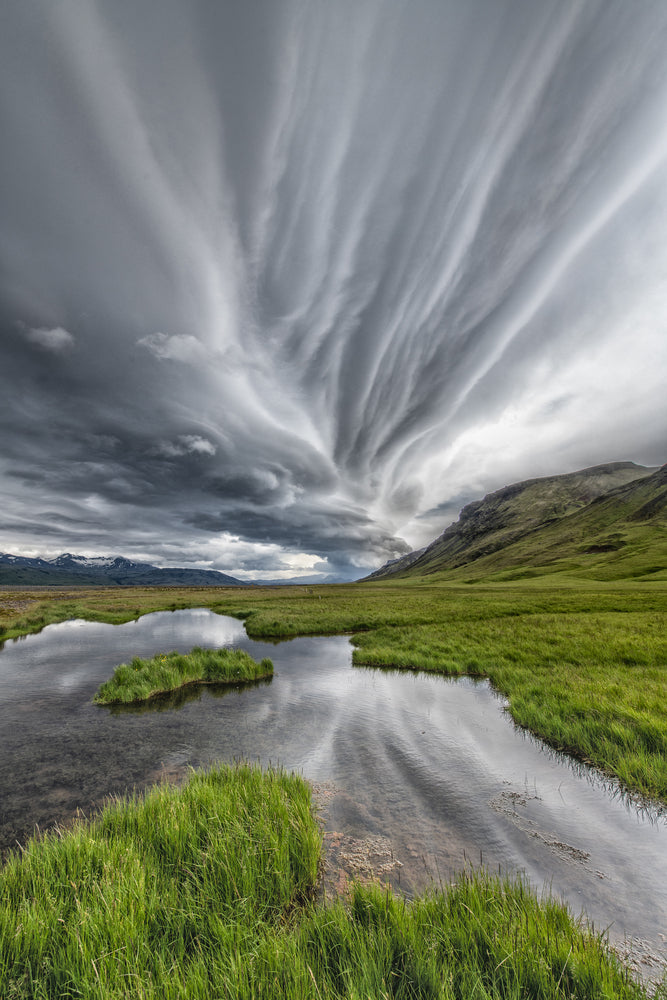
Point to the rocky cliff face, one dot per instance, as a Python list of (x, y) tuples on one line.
[(397, 565)]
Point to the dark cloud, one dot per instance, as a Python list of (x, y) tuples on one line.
[(283, 284)]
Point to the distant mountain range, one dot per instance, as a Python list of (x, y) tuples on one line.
[(605, 523), (103, 571)]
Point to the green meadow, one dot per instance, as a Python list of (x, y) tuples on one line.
[(206, 892)]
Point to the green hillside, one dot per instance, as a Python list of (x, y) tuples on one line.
[(554, 526)]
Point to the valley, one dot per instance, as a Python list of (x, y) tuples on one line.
[(553, 591)]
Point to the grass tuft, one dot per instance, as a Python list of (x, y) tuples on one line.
[(156, 887), (141, 680), (206, 891)]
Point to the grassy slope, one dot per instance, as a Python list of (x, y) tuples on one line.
[(141, 680), (199, 893), (620, 536), (503, 517)]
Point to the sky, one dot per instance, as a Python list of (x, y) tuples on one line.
[(285, 284)]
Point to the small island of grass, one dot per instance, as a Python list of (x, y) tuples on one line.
[(141, 680)]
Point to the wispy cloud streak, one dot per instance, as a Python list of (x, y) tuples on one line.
[(312, 270)]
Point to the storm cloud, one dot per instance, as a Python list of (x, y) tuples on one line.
[(283, 285)]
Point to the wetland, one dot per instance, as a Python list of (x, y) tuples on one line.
[(417, 777)]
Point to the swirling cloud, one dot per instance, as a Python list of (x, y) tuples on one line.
[(294, 282)]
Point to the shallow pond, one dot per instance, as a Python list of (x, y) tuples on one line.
[(417, 775)]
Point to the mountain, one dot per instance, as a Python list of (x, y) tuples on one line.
[(103, 571), (607, 522), (394, 566)]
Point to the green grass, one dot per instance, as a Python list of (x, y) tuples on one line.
[(140, 901), (584, 664), (203, 892), (566, 551), (483, 937), (594, 685), (140, 679)]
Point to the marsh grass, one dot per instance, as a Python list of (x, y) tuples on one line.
[(141, 680), (482, 937), (136, 902), (594, 685), (205, 892), (584, 665)]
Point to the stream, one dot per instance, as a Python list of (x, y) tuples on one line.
[(416, 776)]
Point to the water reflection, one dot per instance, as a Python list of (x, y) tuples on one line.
[(173, 700), (416, 774)]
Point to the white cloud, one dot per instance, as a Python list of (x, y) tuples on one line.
[(245, 560), (180, 347), (186, 444), (56, 339), (198, 445)]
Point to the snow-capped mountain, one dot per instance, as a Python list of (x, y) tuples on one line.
[(91, 562), (71, 570)]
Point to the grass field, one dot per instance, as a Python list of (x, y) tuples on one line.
[(583, 666), (203, 892), (141, 680)]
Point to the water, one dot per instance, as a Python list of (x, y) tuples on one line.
[(416, 775)]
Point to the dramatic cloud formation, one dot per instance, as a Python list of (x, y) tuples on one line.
[(283, 285)]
